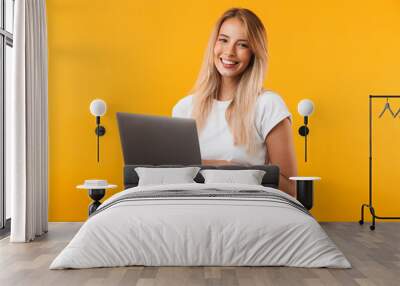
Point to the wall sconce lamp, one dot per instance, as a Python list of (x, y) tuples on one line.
[(98, 108), (305, 108)]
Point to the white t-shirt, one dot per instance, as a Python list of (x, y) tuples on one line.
[(216, 139)]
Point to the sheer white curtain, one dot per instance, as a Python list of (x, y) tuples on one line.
[(27, 124)]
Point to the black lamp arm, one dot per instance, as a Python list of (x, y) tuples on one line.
[(303, 131), (100, 131)]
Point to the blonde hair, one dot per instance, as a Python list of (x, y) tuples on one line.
[(240, 112)]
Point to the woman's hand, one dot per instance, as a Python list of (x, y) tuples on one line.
[(219, 162)]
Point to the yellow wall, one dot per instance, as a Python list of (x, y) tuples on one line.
[(142, 56)]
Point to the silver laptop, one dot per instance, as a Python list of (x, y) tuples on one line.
[(157, 140)]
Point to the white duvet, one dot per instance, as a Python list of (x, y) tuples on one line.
[(200, 231)]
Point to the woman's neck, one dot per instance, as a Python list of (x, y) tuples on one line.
[(228, 88)]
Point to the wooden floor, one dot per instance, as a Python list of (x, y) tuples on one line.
[(375, 257)]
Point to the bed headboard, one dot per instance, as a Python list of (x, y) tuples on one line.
[(270, 179)]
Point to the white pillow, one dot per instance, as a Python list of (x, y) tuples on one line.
[(248, 177), (163, 176)]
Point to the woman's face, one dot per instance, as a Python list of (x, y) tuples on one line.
[(232, 53)]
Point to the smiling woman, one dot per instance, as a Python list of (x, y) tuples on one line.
[(238, 121), (232, 54)]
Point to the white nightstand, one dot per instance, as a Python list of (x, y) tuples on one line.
[(97, 190), (304, 188)]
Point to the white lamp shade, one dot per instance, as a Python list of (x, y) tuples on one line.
[(305, 107), (98, 107)]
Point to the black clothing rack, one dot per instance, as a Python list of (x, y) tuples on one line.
[(370, 205)]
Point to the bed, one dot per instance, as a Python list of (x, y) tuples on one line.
[(201, 224)]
